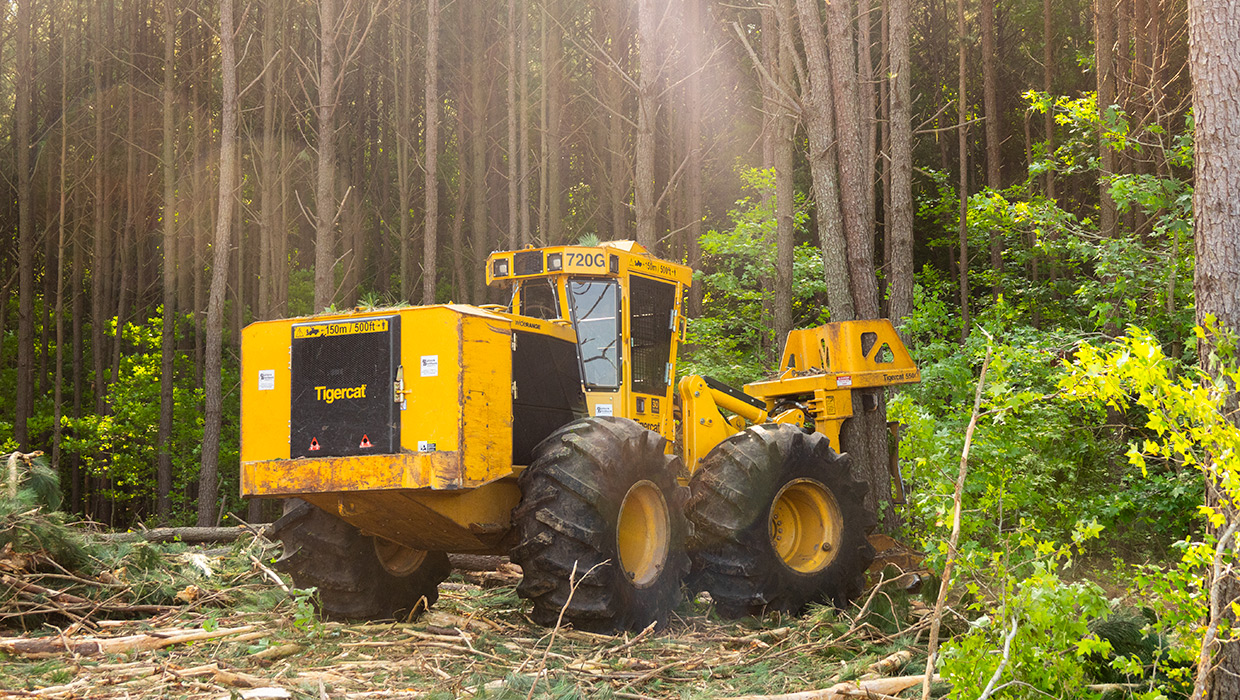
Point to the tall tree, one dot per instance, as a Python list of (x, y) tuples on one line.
[(900, 267), (990, 99), (430, 139), (695, 209), (58, 382), (1214, 35), (648, 17), (962, 135), (785, 125), (512, 143), (1104, 62), (855, 204), (25, 226), (208, 476), (325, 138), (820, 133), (163, 500), (402, 79)]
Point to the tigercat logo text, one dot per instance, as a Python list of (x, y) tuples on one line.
[(326, 395)]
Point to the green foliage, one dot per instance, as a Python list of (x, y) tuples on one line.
[(1040, 622), (734, 339), (29, 522), (1180, 412), (1059, 271), (106, 443)]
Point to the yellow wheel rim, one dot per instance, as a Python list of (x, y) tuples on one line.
[(398, 559), (643, 533), (806, 526)]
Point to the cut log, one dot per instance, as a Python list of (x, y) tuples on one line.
[(875, 687), (43, 646)]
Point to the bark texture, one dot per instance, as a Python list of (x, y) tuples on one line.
[(1214, 35), (208, 477), (820, 131)]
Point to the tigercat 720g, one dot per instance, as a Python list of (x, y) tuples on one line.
[(553, 430)]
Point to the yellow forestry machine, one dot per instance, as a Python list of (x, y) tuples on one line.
[(552, 430)]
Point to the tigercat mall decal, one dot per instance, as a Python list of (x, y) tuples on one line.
[(326, 395), (327, 330)]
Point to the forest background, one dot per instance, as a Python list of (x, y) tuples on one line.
[(175, 170)]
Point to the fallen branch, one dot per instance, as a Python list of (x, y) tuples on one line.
[(188, 535), (67, 602), (936, 619), (1003, 662), (874, 687), (41, 646)]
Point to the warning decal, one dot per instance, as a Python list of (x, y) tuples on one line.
[(328, 330)]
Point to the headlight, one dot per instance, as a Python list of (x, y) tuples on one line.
[(555, 262), (499, 268)]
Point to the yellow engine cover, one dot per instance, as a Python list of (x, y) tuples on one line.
[(445, 421)]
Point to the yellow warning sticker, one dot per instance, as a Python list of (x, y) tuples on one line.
[(326, 330)]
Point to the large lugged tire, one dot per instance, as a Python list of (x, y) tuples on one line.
[(601, 499), (778, 521), (325, 552)]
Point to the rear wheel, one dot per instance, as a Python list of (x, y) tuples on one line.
[(778, 521), (600, 529), (358, 577)]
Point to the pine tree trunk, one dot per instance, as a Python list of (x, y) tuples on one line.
[(858, 215), (58, 382), (514, 194), (325, 183), (644, 145), (784, 208), (900, 267), (478, 238), (430, 236), (1104, 62), (990, 99), (1048, 67), (962, 134), (554, 87), (163, 471), (524, 149), (695, 209), (24, 401), (1214, 59), (208, 477), (820, 132)]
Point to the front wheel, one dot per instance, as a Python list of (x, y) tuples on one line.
[(778, 522), (601, 527)]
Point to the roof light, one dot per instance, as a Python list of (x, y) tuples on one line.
[(499, 268), (555, 262)]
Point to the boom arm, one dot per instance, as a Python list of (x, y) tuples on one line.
[(824, 372)]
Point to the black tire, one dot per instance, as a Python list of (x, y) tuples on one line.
[(568, 519), (733, 544), (325, 552)]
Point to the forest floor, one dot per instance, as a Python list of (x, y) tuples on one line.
[(223, 626)]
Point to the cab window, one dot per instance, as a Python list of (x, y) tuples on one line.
[(539, 300), (651, 321), (596, 315)]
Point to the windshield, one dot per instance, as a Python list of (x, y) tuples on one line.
[(596, 305)]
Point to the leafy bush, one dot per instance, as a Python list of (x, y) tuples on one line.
[(734, 339)]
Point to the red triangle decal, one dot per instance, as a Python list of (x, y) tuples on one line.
[(365, 442), (314, 444)]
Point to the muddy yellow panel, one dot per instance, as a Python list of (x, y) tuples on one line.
[(409, 398)]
